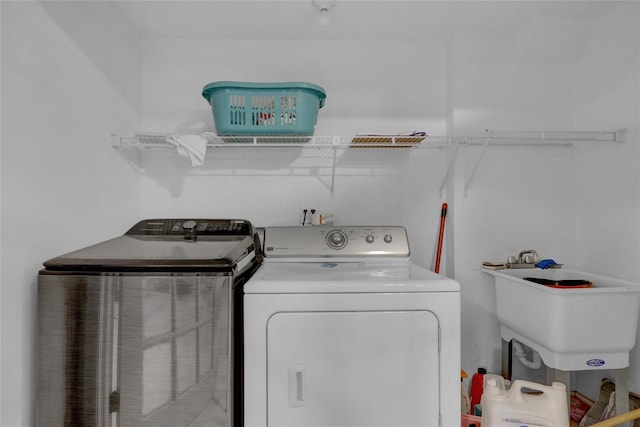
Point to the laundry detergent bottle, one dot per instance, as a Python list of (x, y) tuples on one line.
[(539, 406)]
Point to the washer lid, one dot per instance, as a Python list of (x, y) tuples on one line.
[(346, 277), (166, 244)]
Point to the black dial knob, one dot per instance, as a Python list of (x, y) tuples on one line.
[(336, 239), (190, 231), (189, 225)]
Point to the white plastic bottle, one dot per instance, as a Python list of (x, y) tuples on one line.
[(540, 406)]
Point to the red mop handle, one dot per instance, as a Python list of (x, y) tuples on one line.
[(443, 217)]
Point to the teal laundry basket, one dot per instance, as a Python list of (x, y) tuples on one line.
[(269, 109)]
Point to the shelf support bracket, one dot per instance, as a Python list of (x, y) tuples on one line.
[(475, 167), (621, 135), (334, 149), (449, 168)]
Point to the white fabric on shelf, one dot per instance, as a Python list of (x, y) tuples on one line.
[(192, 146)]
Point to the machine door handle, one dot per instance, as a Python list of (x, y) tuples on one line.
[(297, 386)]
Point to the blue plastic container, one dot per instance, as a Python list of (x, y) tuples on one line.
[(241, 108)]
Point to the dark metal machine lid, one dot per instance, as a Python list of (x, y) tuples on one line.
[(168, 245)]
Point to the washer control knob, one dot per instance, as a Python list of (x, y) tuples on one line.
[(369, 238), (190, 231), (388, 238), (189, 225), (336, 239)]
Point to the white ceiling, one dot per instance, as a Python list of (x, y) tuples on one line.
[(395, 20)]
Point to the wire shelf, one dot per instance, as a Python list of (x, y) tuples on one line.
[(160, 142), (136, 149)]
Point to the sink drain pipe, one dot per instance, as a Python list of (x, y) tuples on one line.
[(520, 352)]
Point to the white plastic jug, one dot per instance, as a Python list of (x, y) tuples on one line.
[(540, 406)]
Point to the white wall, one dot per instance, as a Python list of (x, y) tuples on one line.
[(72, 74), (68, 81), (606, 87), (576, 205), (520, 197)]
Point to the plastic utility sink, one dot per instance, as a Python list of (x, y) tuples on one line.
[(572, 328)]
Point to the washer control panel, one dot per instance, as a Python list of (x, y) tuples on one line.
[(336, 241), (203, 227)]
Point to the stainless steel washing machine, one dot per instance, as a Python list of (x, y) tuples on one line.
[(142, 329)]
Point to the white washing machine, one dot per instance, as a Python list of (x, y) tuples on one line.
[(341, 329)]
